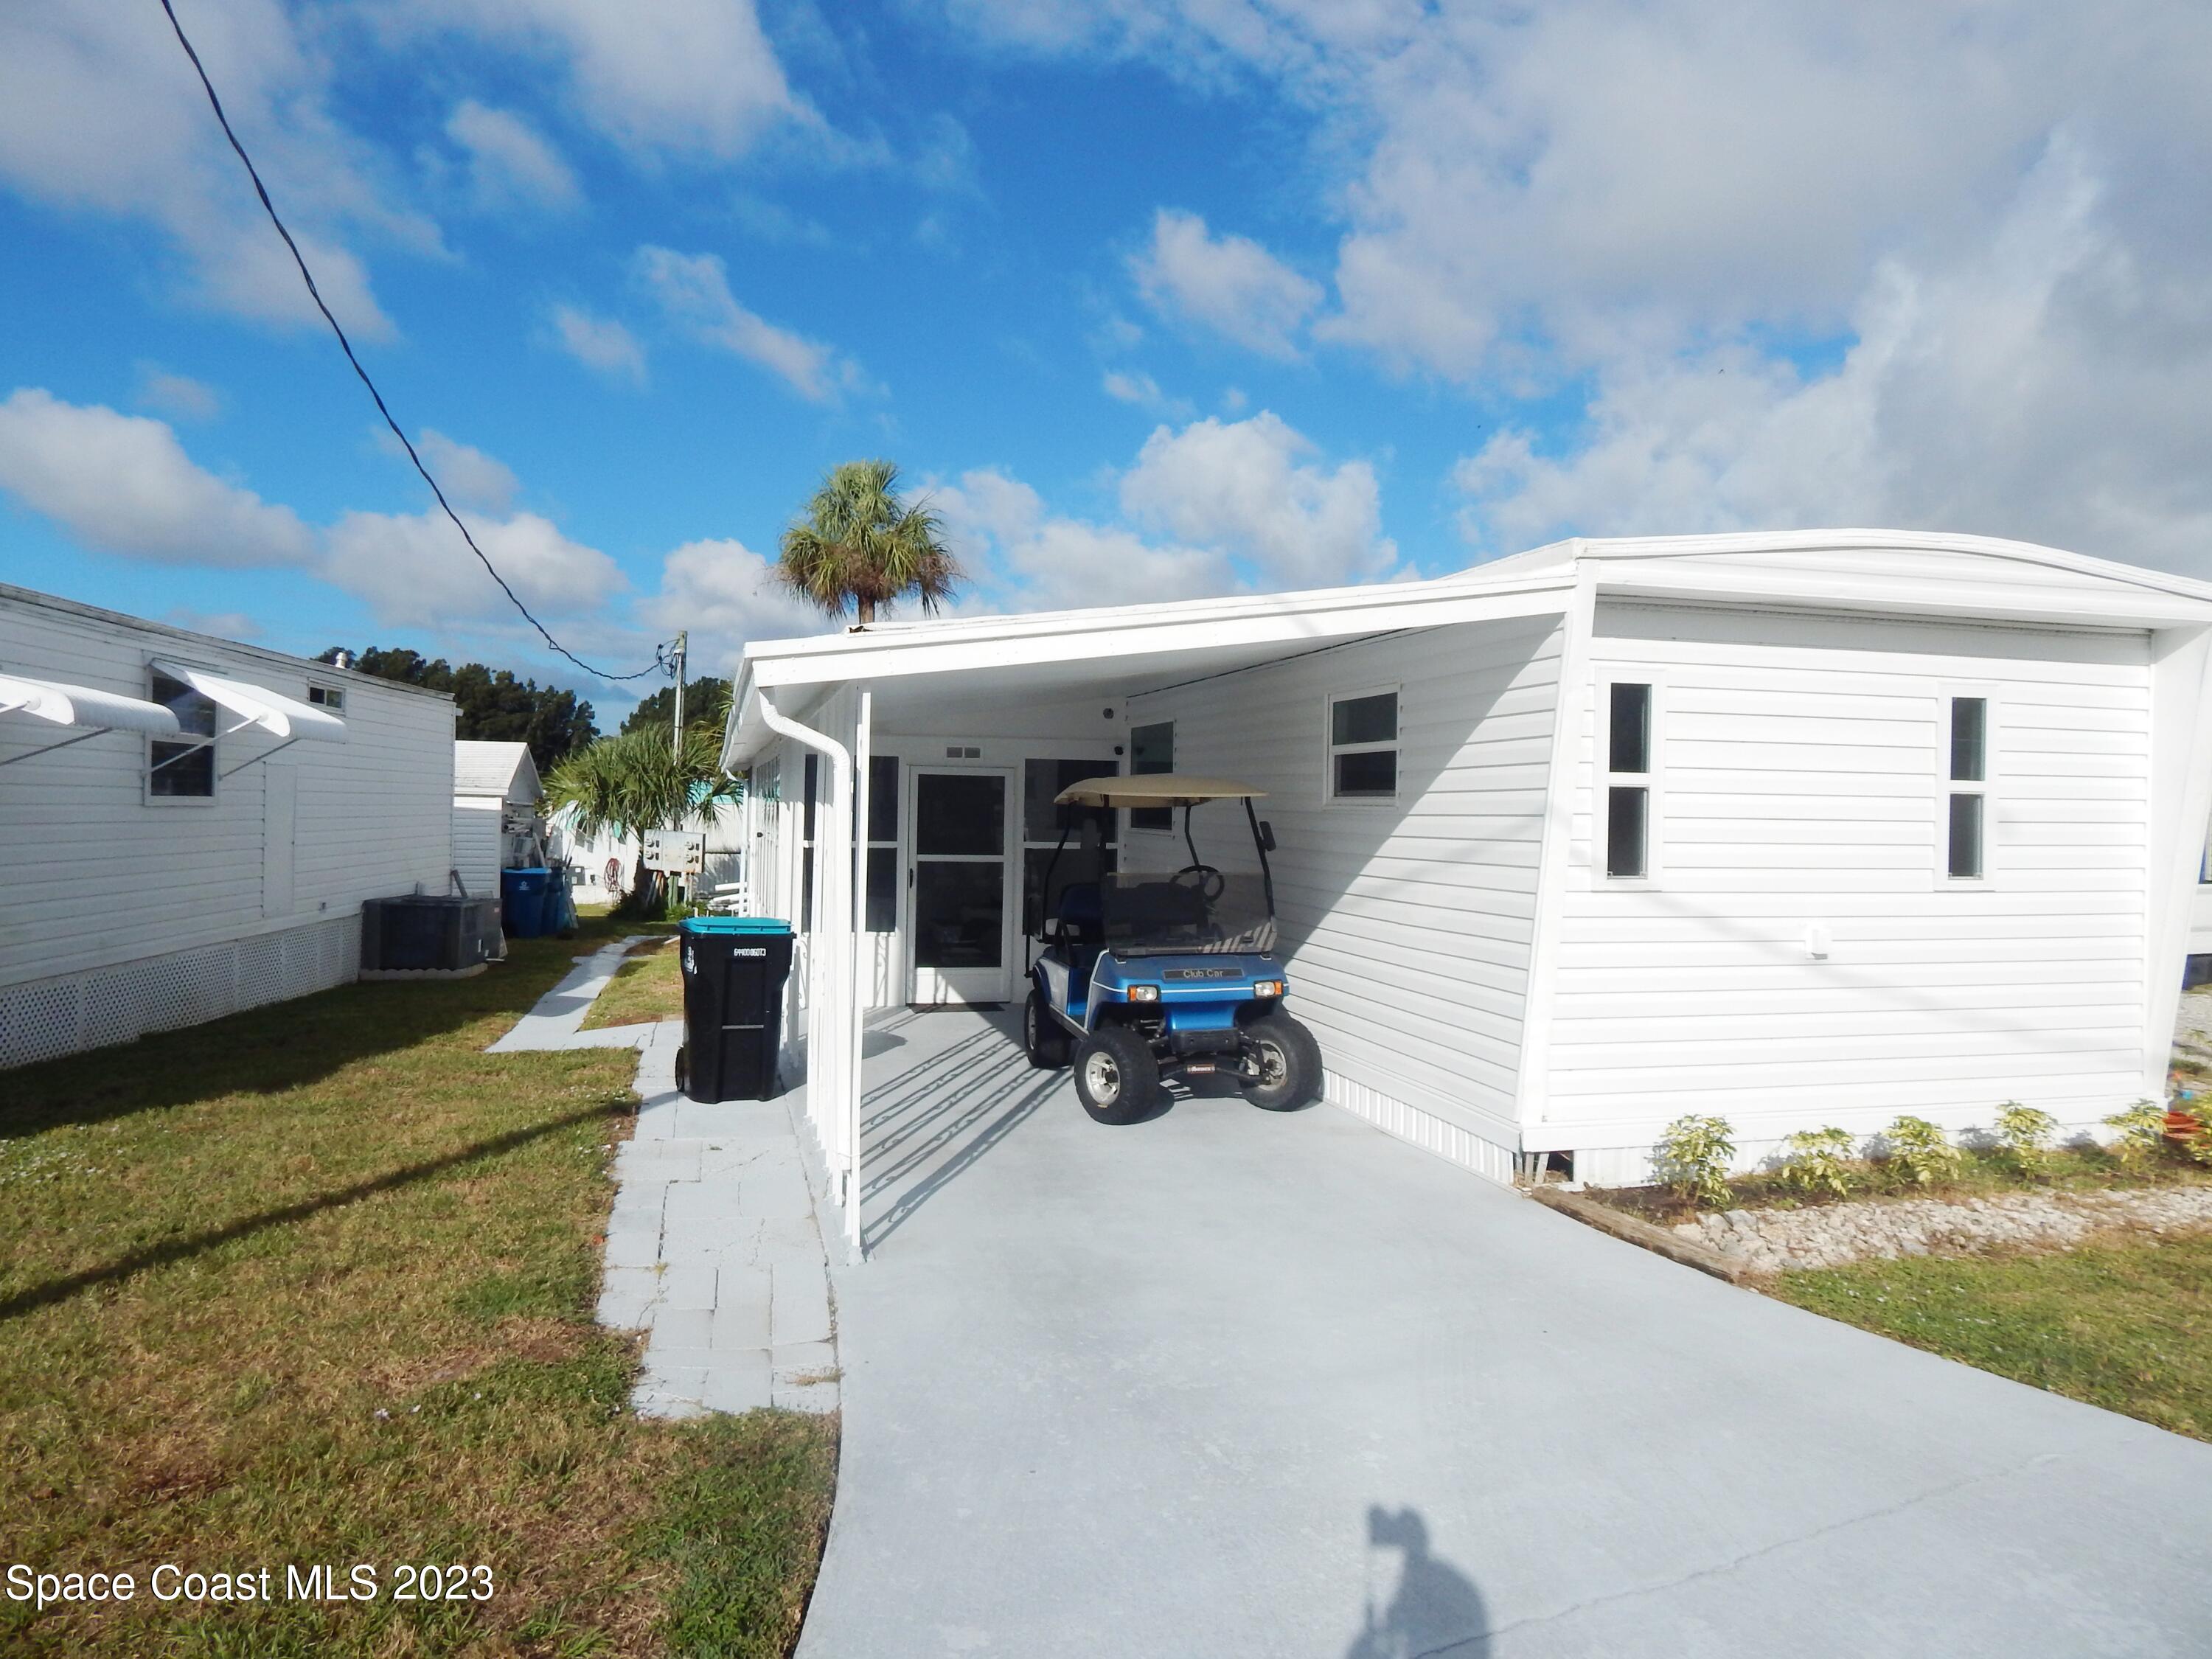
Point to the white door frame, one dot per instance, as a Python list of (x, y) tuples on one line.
[(934, 985)]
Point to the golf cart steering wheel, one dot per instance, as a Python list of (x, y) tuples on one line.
[(1210, 881)]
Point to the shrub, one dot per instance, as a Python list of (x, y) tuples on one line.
[(1692, 1159), (1818, 1161), (2143, 1134), (2193, 1130), (1922, 1151), (2025, 1133)]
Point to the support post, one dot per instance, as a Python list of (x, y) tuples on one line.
[(832, 1040)]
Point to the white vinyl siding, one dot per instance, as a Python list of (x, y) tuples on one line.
[(1806, 783), (1407, 928), (96, 875)]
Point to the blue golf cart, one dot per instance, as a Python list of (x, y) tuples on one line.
[(1141, 978)]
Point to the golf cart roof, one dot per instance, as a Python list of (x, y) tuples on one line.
[(1155, 789)]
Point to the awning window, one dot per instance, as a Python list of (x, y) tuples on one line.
[(278, 715)]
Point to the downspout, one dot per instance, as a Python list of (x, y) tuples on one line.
[(832, 872)]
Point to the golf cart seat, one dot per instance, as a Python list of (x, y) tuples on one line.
[(1082, 918)]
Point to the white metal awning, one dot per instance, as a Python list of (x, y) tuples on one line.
[(274, 713), (62, 704)]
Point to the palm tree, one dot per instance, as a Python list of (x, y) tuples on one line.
[(862, 546), (635, 782)]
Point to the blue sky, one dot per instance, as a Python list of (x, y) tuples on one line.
[(1155, 299)]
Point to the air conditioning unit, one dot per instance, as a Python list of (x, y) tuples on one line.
[(420, 932)]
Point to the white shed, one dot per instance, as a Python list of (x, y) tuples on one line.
[(497, 803), (191, 824), (1799, 829)]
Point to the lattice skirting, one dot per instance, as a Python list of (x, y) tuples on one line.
[(1424, 1129), (66, 1015)]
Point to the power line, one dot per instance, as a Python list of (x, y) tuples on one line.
[(660, 660)]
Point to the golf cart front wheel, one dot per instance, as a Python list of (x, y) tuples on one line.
[(1289, 1061), (1041, 1035), (1116, 1078)]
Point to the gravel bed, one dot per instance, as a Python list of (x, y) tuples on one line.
[(1830, 1235)]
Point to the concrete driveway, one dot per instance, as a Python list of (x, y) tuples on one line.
[(1227, 1383)]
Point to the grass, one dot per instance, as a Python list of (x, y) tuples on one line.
[(2124, 1322), (314, 1284), (646, 986)]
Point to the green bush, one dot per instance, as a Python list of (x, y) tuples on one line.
[(1922, 1151), (1818, 1161), (1692, 1159), (2143, 1134), (2025, 1133)]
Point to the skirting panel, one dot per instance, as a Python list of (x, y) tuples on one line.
[(49, 1018), (1424, 1129)]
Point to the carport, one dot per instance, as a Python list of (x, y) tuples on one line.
[(914, 898)]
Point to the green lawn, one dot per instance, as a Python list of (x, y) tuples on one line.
[(646, 986), (314, 1284), (2125, 1324)]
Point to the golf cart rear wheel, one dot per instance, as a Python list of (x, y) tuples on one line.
[(1116, 1078), (1041, 1035), (1289, 1061)]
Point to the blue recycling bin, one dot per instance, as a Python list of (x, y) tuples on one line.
[(560, 902), (522, 901)]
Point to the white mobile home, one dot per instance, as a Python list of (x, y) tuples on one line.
[(1797, 829), (191, 824), (498, 804)]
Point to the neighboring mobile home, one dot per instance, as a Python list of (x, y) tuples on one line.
[(1799, 829), (190, 824), (498, 806)]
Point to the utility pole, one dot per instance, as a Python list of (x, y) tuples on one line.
[(682, 644)]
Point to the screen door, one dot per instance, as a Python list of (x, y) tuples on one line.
[(962, 951)]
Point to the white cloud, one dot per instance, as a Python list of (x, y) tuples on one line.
[(600, 342), (2041, 389), (469, 476), (1020, 558), (177, 395), (685, 77), (1245, 486), (414, 569), (123, 483), (101, 111), (726, 594), (1685, 214), (1144, 391), (223, 625), (693, 291), (1230, 284), (511, 164)]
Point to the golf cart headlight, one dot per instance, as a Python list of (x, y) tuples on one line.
[(1267, 987), (1143, 994)]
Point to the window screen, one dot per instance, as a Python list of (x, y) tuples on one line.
[(1627, 785), (1362, 746), (1151, 751)]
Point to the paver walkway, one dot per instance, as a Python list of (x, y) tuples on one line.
[(711, 1246), (1229, 1383)]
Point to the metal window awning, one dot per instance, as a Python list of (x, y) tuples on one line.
[(59, 703), (255, 705), (63, 704)]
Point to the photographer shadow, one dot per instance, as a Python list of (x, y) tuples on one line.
[(1436, 1608)]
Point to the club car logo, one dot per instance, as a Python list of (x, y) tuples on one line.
[(1202, 973)]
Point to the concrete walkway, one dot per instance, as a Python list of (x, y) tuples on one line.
[(711, 1245), (1227, 1383)]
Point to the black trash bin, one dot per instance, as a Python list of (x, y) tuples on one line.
[(734, 968)]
